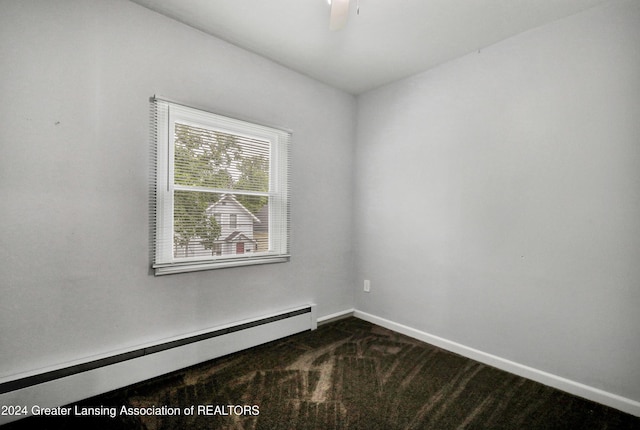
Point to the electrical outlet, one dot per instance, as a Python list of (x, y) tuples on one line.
[(367, 285)]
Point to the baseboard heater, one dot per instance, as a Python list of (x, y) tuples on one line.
[(71, 382)]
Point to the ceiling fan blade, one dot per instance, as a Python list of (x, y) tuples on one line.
[(339, 14)]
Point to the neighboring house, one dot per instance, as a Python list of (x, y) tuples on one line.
[(236, 234)]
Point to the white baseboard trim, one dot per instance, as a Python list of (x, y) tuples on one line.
[(71, 382), (336, 316), (576, 388)]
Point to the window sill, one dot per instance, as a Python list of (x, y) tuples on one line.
[(196, 266)]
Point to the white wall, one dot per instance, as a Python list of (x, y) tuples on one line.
[(498, 199), (75, 279)]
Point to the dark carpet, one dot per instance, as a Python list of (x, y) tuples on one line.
[(348, 374)]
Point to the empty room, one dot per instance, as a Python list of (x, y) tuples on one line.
[(320, 214)]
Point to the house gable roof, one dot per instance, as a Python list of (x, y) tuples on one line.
[(231, 198), (238, 236)]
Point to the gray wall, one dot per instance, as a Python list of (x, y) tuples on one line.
[(498, 199), (75, 82)]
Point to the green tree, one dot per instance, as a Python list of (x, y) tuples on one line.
[(185, 218), (254, 176), (208, 231), (202, 158)]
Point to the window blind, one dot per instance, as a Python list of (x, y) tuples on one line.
[(222, 190)]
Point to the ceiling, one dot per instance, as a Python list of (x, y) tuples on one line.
[(386, 41)]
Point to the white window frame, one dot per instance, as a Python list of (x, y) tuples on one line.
[(166, 114)]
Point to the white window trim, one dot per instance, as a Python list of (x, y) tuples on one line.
[(166, 113)]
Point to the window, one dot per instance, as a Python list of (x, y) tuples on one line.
[(221, 190)]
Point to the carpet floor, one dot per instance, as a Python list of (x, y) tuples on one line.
[(348, 374)]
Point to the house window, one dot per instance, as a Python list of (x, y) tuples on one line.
[(221, 191)]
